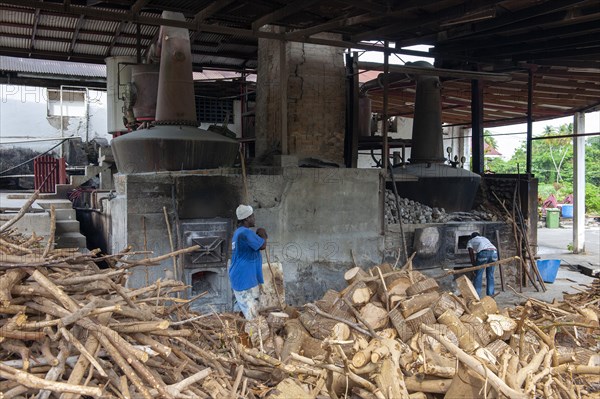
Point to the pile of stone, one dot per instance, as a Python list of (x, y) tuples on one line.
[(414, 212)]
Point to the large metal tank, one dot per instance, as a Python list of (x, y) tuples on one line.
[(144, 85), (118, 75), (175, 143), (429, 180)]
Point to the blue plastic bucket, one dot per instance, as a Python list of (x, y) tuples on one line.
[(567, 211), (548, 269)]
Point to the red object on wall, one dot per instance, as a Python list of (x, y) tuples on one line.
[(48, 172)]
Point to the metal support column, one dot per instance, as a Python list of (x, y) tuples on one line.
[(352, 112), (529, 120), (385, 152), (579, 183), (477, 126)]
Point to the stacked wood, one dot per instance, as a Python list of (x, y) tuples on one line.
[(71, 330)]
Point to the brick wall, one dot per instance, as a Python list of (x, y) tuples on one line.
[(315, 100)]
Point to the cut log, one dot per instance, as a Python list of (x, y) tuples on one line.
[(424, 316), (498, 347), (446, 302), (508, 325), (467, 384), (353, 275), (374, 316), (295, 334), (326, 303), (484, 307), (340, 332), (398, 283), (390, 381), (361, 294), (277, 320), (289, 388), (422, 287), (467, 290), (418, 302), (413, 384), (363, 357), (466, 338), (317, 326), (399, 323)]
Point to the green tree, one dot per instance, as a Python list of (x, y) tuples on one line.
[(489, 139), (558, 148)]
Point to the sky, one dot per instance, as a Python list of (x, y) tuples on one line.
[(507, 144)]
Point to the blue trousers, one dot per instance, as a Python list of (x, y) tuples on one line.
[(483, 257)]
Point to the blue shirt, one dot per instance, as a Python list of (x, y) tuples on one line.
[(245, 271)]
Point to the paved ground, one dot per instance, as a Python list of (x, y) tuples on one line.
[(552, 244)]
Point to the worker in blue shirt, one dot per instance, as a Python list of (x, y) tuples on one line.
[(245, 271)]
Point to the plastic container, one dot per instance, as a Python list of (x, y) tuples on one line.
[(567, 210), (552, 218), (548, 269)]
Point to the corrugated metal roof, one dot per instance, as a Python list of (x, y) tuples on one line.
[(33, 65)]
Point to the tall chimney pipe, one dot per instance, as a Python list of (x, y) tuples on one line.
[(175, 85), (427, 140)]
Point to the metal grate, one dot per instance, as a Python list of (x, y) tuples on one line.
[(210, 110)]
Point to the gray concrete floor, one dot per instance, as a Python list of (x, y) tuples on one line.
[(552, 244)]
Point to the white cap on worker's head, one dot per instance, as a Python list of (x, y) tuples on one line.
[(243, 211)]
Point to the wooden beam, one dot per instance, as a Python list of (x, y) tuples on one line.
[(138, 5), (574, 29), (114, 39), (410, 22), (76, 33), (514, 17), (368, 5), (330, 25), (290, 9), (495, 77), (207, 12), (36, 20)]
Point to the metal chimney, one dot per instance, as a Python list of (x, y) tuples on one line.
[(426, 178), (175, 142)]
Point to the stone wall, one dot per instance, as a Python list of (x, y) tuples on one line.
[(316, 99)]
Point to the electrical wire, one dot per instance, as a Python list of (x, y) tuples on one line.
[(30, 160)]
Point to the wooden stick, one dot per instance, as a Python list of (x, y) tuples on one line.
[(474, 365), (50, 243), (75, 342), (31, 381), (158, 259), (484, 266), (349, 323), (21, 212), (281, 303), (500, 268), (174, 259)]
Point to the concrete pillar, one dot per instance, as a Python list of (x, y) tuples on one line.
[(579, 183), (301, 100)]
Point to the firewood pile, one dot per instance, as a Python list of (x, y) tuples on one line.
[(70, 329), (393, 334)]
